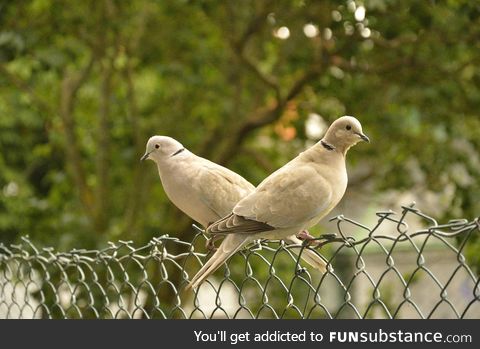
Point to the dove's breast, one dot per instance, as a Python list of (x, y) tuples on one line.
[(336, 177), (177, 183)]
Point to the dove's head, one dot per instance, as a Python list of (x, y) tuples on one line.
[(344, 133), (162, 147)]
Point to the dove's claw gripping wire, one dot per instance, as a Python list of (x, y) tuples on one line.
[(305, 235), (307, 239), (210, 244)]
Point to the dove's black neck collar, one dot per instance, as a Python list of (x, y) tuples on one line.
[(177, 152), (327, 146)]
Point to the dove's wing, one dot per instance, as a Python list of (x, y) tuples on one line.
[(290, 197), (219, 188)]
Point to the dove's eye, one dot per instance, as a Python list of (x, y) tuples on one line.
[(348, 127), (157, 146)]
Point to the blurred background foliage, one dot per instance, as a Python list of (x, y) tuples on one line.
[(247, 84)]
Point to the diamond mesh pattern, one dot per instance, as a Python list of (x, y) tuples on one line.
[(386, 271)]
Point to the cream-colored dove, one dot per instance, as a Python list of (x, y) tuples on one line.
[(204, 190), (290, 200)]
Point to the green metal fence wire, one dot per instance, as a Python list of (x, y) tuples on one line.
[(386, 271)]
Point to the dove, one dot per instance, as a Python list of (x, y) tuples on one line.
[(290, 200), (204, 190), (200, 188)]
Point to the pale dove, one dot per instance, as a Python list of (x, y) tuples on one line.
[(203, 190), (293, 198)]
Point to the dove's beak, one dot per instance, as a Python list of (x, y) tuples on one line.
[(363, 137), (145, 156)]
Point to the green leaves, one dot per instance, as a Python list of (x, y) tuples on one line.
[(215, 76)]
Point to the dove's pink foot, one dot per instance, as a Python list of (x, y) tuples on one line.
[(305, 236)]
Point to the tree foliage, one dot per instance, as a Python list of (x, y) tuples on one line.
[(84, 84)]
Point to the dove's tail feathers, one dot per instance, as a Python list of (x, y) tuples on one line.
[(231, 244), (312, 258), (309, 256)]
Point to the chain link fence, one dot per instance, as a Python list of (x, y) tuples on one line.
[(388, 271)]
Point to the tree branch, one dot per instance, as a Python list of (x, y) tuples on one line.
[(103, 148), (255, 25), (265, 115), (260, 159), (268, 80), (268, 113), (70, 85), (138, 185)]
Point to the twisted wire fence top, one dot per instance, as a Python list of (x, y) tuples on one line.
[(386, 271)]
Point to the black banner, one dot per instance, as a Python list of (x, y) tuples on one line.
[(239, 333)]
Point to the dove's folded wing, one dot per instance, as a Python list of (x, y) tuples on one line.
[(287, 199), (238, 224)]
